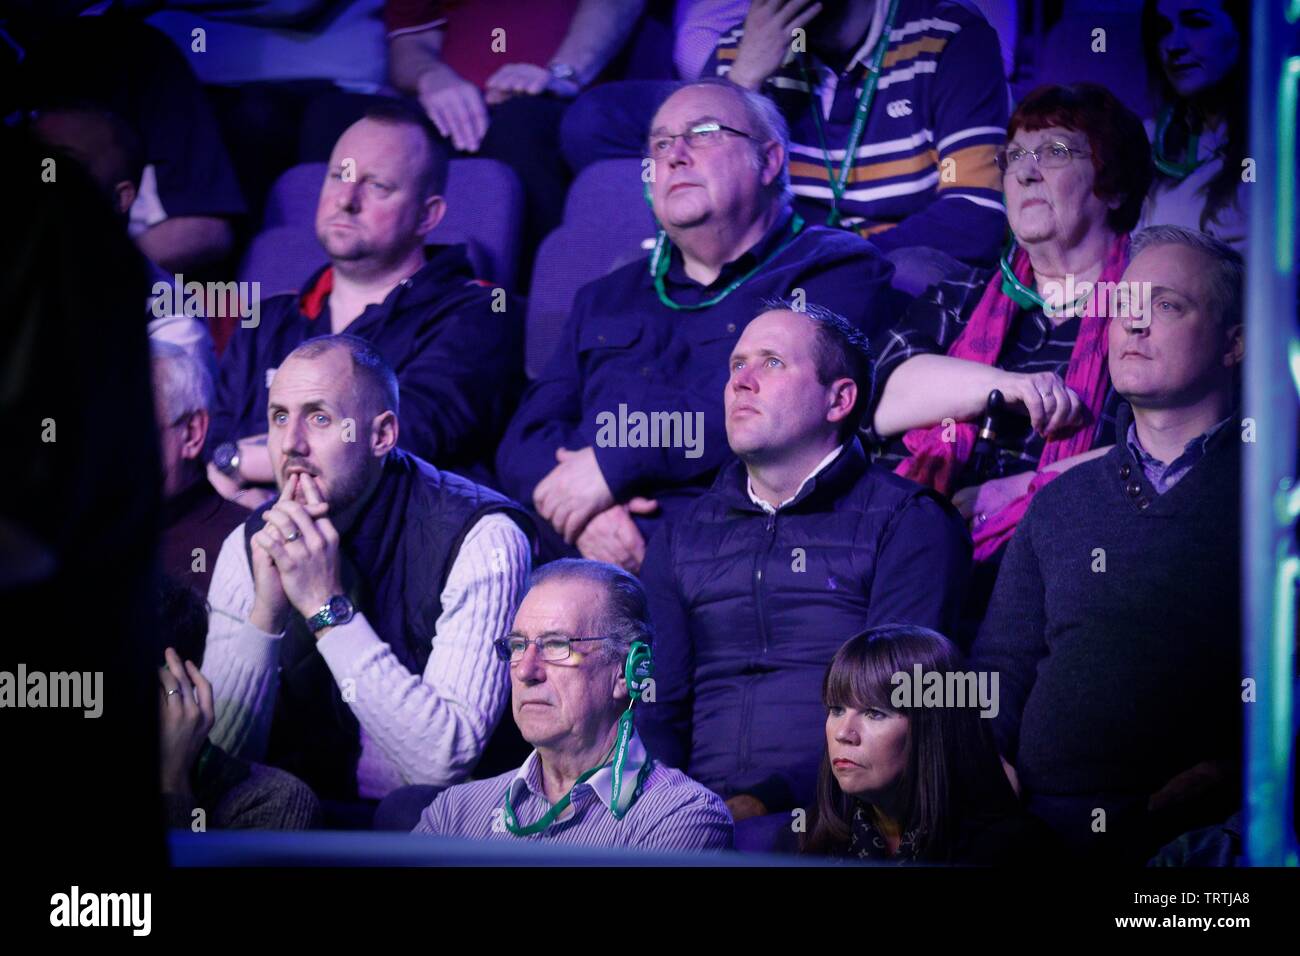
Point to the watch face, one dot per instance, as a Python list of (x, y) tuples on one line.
[(224, 455), (340, 608)]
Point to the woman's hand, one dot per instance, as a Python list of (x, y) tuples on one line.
[(187, 715), (1052, 406), (980, 502)]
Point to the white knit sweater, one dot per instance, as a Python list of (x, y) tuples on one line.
[(428, 728)]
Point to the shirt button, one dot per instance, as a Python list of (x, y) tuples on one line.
[(1133, 489), (1143, 502), (645, 372), (1125, 470), (731, 326), (600, 338)]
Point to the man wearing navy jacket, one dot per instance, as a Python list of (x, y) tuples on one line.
[(800, 544), (458, 361), (647, 345)]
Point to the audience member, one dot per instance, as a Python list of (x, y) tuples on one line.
[(188, 200), (799, 540), (458, 357), (204, 787), (110, 151), (920, 181), (589, 781), (79, 504), (905, 780), (497, 76), (1035, 330), (1197, 54), (1115, 624), (285, 77), (195, 518), (353, 619), (654, 341)]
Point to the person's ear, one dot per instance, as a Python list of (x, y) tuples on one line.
[(431, 213), (1235, 352), (843, 396), (196, 433), (383, 434), (773, 162), (620, 695), (124, 194)]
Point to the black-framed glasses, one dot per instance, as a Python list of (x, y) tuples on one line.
[(699, 136), (1047, 156), (553, 647)]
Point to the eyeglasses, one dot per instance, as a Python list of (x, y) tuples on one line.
[(699, 136), (553, 647), (1047, 156)]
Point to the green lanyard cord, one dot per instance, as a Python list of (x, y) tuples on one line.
[(839, 182), (1174, 168), (619, 754), (660, 259), (1025, 297)]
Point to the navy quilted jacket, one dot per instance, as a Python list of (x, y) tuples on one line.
[(749, 608)]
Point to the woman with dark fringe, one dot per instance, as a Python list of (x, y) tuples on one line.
[(919, 782)]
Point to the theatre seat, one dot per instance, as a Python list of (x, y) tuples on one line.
[(607, 224)]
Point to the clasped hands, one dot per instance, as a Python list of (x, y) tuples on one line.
[(295, 556), (575, 499)]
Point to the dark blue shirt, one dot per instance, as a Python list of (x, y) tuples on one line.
[(458, 362), (623, 346)]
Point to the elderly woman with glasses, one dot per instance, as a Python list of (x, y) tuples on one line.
[(1076, 167)]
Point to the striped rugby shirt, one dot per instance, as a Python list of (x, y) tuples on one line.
[(924, 173)]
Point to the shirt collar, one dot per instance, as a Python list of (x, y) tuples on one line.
[(529, 777), (873, 37), (742, 264), (1194, 449), (821, 466)]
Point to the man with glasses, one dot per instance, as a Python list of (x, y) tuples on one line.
[(652, 339), (894, 108), (589, 780), (196, 519)]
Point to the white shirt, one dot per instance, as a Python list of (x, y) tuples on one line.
[(821, 466)]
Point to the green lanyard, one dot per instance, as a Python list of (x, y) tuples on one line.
[(1025, 297), (839, 182), (619, 754), (660, 259), (1174, 168)]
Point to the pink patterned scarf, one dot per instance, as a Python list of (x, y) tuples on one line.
[(938, 463)]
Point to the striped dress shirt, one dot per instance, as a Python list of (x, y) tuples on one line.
[(672, 812)]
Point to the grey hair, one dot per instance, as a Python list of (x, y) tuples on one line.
[(1225, 277), (626, 615), (182, 384), (767, 124)]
